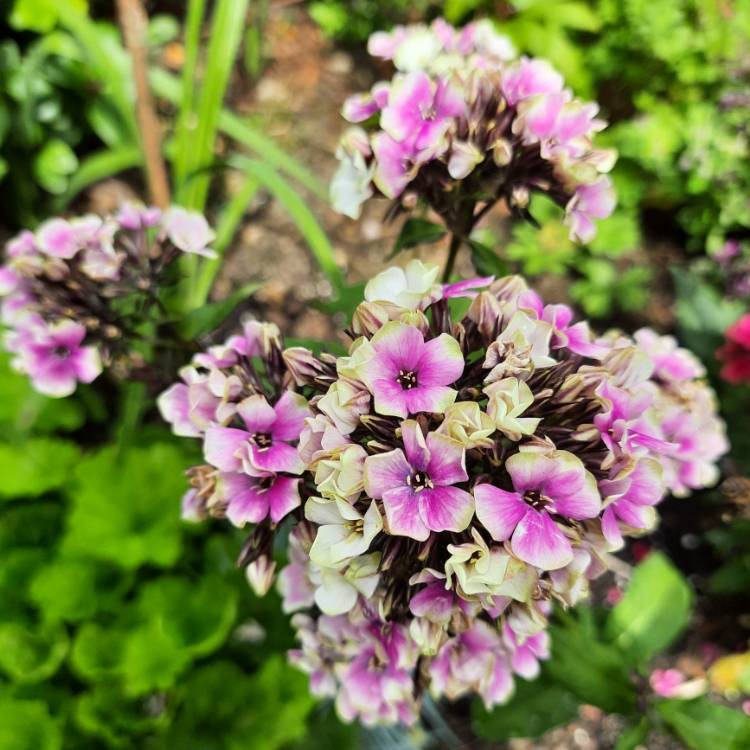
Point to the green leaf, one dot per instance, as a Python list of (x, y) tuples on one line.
[(151, 660), (73, 590), (53, 166), (195, 615), (40, 15), (588, 666), (703, 725), (126, 508), (486, 261), (214, 714), (210, 316), (30, 656), (227, 24), (416, 232), (534, 708), (166, 85), (109, 715), (36, 466), (97, 651), (27, 725), (702, 313), (653, 612)]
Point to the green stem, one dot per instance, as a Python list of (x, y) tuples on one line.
[(452, 253)]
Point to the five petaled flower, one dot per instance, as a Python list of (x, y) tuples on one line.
[(417, 484), (556, 484), (407, 374)]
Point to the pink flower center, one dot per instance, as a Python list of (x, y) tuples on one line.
[(407, 379), (428, 113), (262, 440), (419, 481)]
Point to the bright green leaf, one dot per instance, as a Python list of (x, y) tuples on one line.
[(210, 316), (416, 232), (27, 725), (654, 610), (36, 466), (703, 725), (31, 655)]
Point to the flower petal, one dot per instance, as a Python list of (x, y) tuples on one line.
[(246, 504), (441, 361), (283, 497), (257, 413), (434, 399), (538, 541), (384, 472), (222, 445), (446, 508), (291, 410), (415, 446), (401, 512), (498, 511), (447, 460), (278, 457)]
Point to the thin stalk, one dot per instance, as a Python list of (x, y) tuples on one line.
[(134, 23), (452, 253)]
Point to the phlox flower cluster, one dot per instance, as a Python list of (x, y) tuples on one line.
[(465, 123), (447, 481), (77, 291), (734, 354)]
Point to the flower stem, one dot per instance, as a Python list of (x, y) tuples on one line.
[(452, 253)]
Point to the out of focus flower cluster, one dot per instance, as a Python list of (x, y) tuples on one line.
[(76, 292), (465, 123), (447, 481)]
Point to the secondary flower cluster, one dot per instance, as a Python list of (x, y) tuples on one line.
[(735, 353), (465, 123), (449, 480), (77, 290)]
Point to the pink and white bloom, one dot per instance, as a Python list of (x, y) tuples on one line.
[(594, 201), (407, 374), (188, 231), (54, 358), (417, 484), (544, 486), (264, 446)]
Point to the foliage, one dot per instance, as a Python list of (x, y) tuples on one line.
[(111, 605)]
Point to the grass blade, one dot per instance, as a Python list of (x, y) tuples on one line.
[(167, 87), (227, 25), (186, 120), (226, 228)]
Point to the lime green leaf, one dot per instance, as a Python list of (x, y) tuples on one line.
[(30, 656), (151, 660), (35, 466), (534, 708), (209, 317), (486, 261), (54, 164), (17, 568), (196, 616), (416, 232), (97, 651), (653, 612), (215, 716), (27, 725), (40, 15), (703, 725), (126, 508), (74, 590), (114, 718), (588, 666), (100, 165)]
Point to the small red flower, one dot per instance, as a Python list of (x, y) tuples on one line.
[(735, 354)]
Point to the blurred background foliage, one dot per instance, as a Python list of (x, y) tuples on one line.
[(122, 626)]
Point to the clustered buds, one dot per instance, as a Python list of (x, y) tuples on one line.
[(465, 123), (447, 481), (77, 292)]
